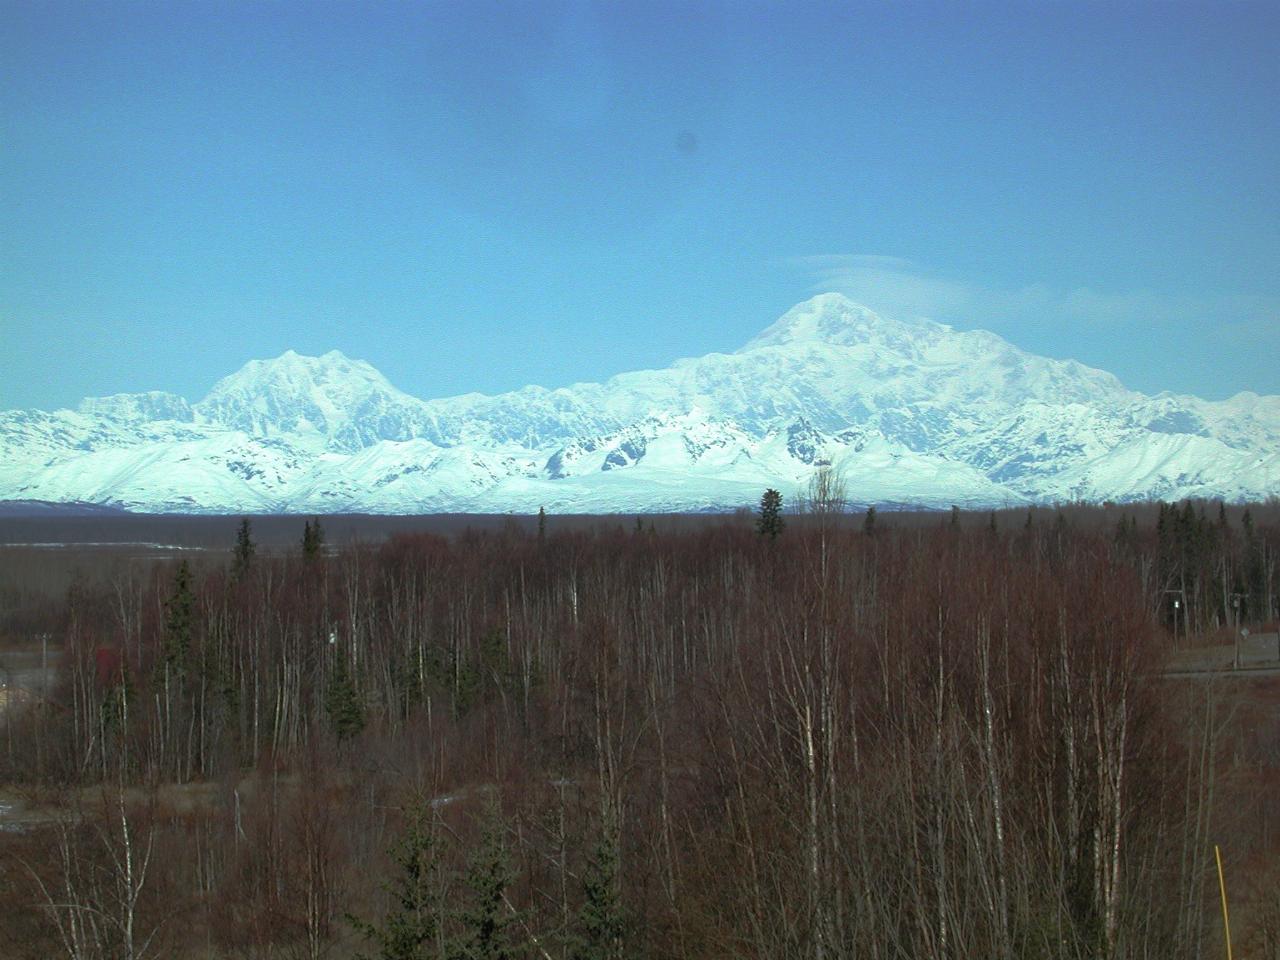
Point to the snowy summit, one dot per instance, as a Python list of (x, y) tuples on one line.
[(910, 413)]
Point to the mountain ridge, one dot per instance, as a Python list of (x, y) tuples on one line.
[(910, 412)]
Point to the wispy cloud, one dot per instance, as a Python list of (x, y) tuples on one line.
[(907, 290), (1209, 345)]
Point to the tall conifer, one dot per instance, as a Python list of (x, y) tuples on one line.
[(242, 558), (770, 523)]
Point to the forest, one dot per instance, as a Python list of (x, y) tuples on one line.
[(804, 733)]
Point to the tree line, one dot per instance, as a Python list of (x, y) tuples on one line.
[(812, 738)]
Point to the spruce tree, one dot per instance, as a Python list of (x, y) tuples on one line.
[(1164, 545), (495, 663), (114, 711), (770, 522), (342, 703), (601, 921), (1255, 568), (1121, 536), (488, 926), (243, 555), (869, 521), (411, 926), (179, 616), (312, 539), (542, 524)]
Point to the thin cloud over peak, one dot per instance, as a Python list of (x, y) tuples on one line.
[(1123, 330)]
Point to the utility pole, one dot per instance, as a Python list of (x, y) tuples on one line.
[(1178, 597)]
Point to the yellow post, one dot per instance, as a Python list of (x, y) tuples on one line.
[(1222, 886)]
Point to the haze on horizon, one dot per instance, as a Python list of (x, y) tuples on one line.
[(478, 196)]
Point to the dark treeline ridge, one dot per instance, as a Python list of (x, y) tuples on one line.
[(931, 739), (281, 531)]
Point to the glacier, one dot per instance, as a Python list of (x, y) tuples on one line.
[(910, 414)]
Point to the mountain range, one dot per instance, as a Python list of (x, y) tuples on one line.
[(910, 413)]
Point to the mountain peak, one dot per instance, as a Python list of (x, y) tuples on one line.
[(293, 369), (348, 401), (826, 318), (306, 359), (915, 411)]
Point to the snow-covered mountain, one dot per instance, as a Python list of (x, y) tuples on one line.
[(910, 413)]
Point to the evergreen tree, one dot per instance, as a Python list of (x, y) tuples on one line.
[(312, 539), (991, 522), (243, 555), (179, 617), (955, 517), (601, 921), (342, 703), (542, 524), (114, 711), (495, 663), (410, 928), (467, 683), (1164, 545), (1124, 535), (488, 925), (869, 521), (770, 522), (1255, 568)]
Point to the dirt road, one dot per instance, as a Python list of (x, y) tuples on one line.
[(1259, 657)]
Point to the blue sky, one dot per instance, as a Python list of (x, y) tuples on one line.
[(478, 196)]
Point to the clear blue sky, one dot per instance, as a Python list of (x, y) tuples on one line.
[(477, 196)]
